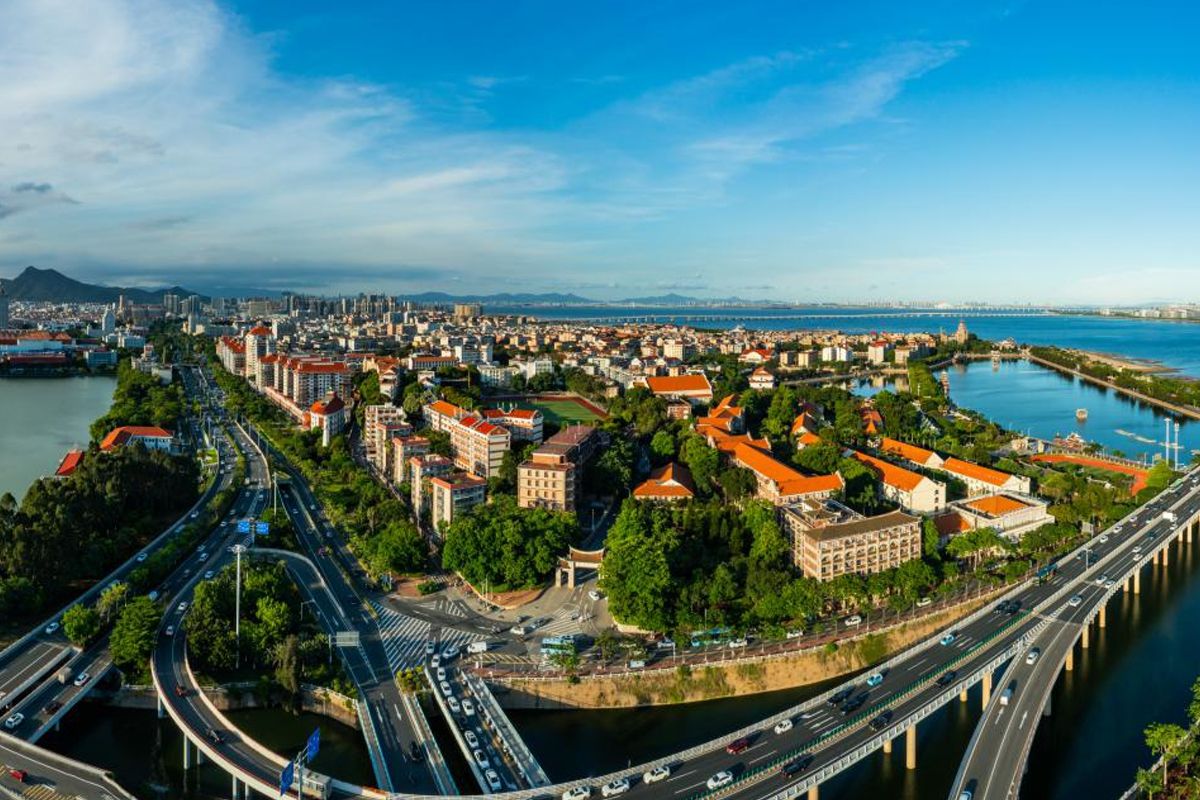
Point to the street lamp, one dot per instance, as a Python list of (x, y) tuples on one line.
[(238, 549)]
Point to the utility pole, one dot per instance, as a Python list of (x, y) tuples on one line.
[(238, 549)]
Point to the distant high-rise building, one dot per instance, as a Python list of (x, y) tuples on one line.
[(218, 306), (171, 303), (191, 305), (467, 310), (108, 322), (961, 335), (3, 309)]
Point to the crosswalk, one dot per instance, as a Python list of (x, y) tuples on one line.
[(43, 792), (404, 637), (453, 608), (566, 619)]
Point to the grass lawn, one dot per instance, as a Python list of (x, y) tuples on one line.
[(563, 412)]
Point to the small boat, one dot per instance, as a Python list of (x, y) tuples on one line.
[(1122, 432), (1081, 414)]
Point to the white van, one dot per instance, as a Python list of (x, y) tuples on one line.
[(477, 647)]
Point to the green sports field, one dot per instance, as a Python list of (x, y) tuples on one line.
[(563, 412)]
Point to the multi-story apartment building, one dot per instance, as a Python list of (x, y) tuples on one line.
[(381, 424), (404, 448), (829, 539), (548, 479), (524, 424), (327, 415), (423, 469), (258, 343), (452, 495), (911, 490), (479, 446), (441, 415), (232, 354)]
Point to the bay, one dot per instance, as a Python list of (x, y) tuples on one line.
[(44, 418)]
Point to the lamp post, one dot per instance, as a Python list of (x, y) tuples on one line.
[(238, 549)]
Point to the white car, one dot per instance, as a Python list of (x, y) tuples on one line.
[(450, 652), (51, 628), (849, 622), (720, 780), (493, 780), (435, 662), (1075, 601), (614, 788), (1100, 581), (480, 759), (454, 706), (738, 643), (1032, 656), (795, 633), (783, 726), (594, 596), (441, 674), (203, 557), (208, 575), (578, 793), (657, 774), (182, 607), (170, 631), (924, 601), (1104, 538), (13, 722), (81, 679), (141, 557), (468, 708), (445, 687), (472, 739), (430, 648)]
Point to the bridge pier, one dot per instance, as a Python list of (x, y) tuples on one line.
[(962, 696), (1083, 637), (1166, 552), (1103, 615), (187, 753), (987, 689), (1070, 665), (813, 794), (1046, 710), (1137, 581), (910, 747), (887, 747), (162, 712)]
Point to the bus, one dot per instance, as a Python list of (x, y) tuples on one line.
[(554, 645), (1047, 572)]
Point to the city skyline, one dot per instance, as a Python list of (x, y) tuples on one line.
[(864, 154)]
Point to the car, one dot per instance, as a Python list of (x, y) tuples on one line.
[(1032, 656), (180, 691), (737, 746), (182, 607), (450, 653), (578, 793), (1104, 539), (435, 662), (1108, 584), (795, 633), (783, 726), (881, 721), (1137, 549), (720, 780), (141, 557), (615, 787), (853, 704), (208, 575), (441, 674), (875, 680), (966, 794), (480, 759), (170, 631), (948, 639), (430, 648), (738, 643), (594, 596), (493, 780), (203, 557), (51, 628), (947, 678), (445, 687), (1075, 601), (215, 736), (657, 774), (472, 739), (454, 705), (14, 722), (18, 775), (852, 621), (415, 752), (840, 696), (195, 514), (468, 708), (924, 601), (1101, 580), (54, 706), (81, 679), (795, 767)]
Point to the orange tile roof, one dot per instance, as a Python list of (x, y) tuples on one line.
[(259, 330), (679, 384), (951, 523), (119, 436), (70, 463), (804, 421), (766, 465), (967, 469), (996, 505), (326, 407), (669, 482), (889, 473), (811, 484), (918, 455), (726, 442), (808, 439), (446, 408)]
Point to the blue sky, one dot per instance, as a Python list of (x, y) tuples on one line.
[(803, 151)]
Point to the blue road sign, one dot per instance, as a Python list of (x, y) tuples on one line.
[(243, 526), (314, 744), (262, 528), (286, 777)]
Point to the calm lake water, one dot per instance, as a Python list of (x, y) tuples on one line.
[(44, 418), (1172, 342)]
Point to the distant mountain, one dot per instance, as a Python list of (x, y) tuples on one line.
[(505, 298), (52, 286)]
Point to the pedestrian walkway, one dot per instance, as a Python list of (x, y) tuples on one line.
[(404, 638), (453, 608)]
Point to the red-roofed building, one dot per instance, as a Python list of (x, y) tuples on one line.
[(329, 416), (69, 463), (479, 446), (909, 489), (725, 416), (452, 495), (985, 480), (525, 424), (667, 484), (693, 387), (779, 483), (762, 380), (148, 436), (911, 453), (756, 355), (441, 415)]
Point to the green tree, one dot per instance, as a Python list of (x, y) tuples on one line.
[(931, 539), (701, 460), (133, 634), (507, 546), (287, 665), (81, 624), (662, 447), (636, 573), (1163, 739)]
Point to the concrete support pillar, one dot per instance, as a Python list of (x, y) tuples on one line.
[(887, 747), (187, 753), (1083, 637), (910, 748), (1070, 665), (962, 696), (813, 794), (1046, 710), (199, 756), (1103, 615), (1166, 554), (987, 688), (1137, 581)]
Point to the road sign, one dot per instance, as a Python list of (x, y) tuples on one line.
[(314, 744), (262, 528), (243, 526), (286, 777), (346, 638)]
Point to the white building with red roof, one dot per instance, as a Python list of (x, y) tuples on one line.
[(692, 387), (479, 446), (149, 436), (525, 424), (762, 380), (329, 416)]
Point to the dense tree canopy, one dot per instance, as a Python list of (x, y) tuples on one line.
[(507, 546)]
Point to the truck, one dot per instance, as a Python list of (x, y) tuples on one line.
[(64, 675), (477, 647), (1169, 516), (1008, 693)]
